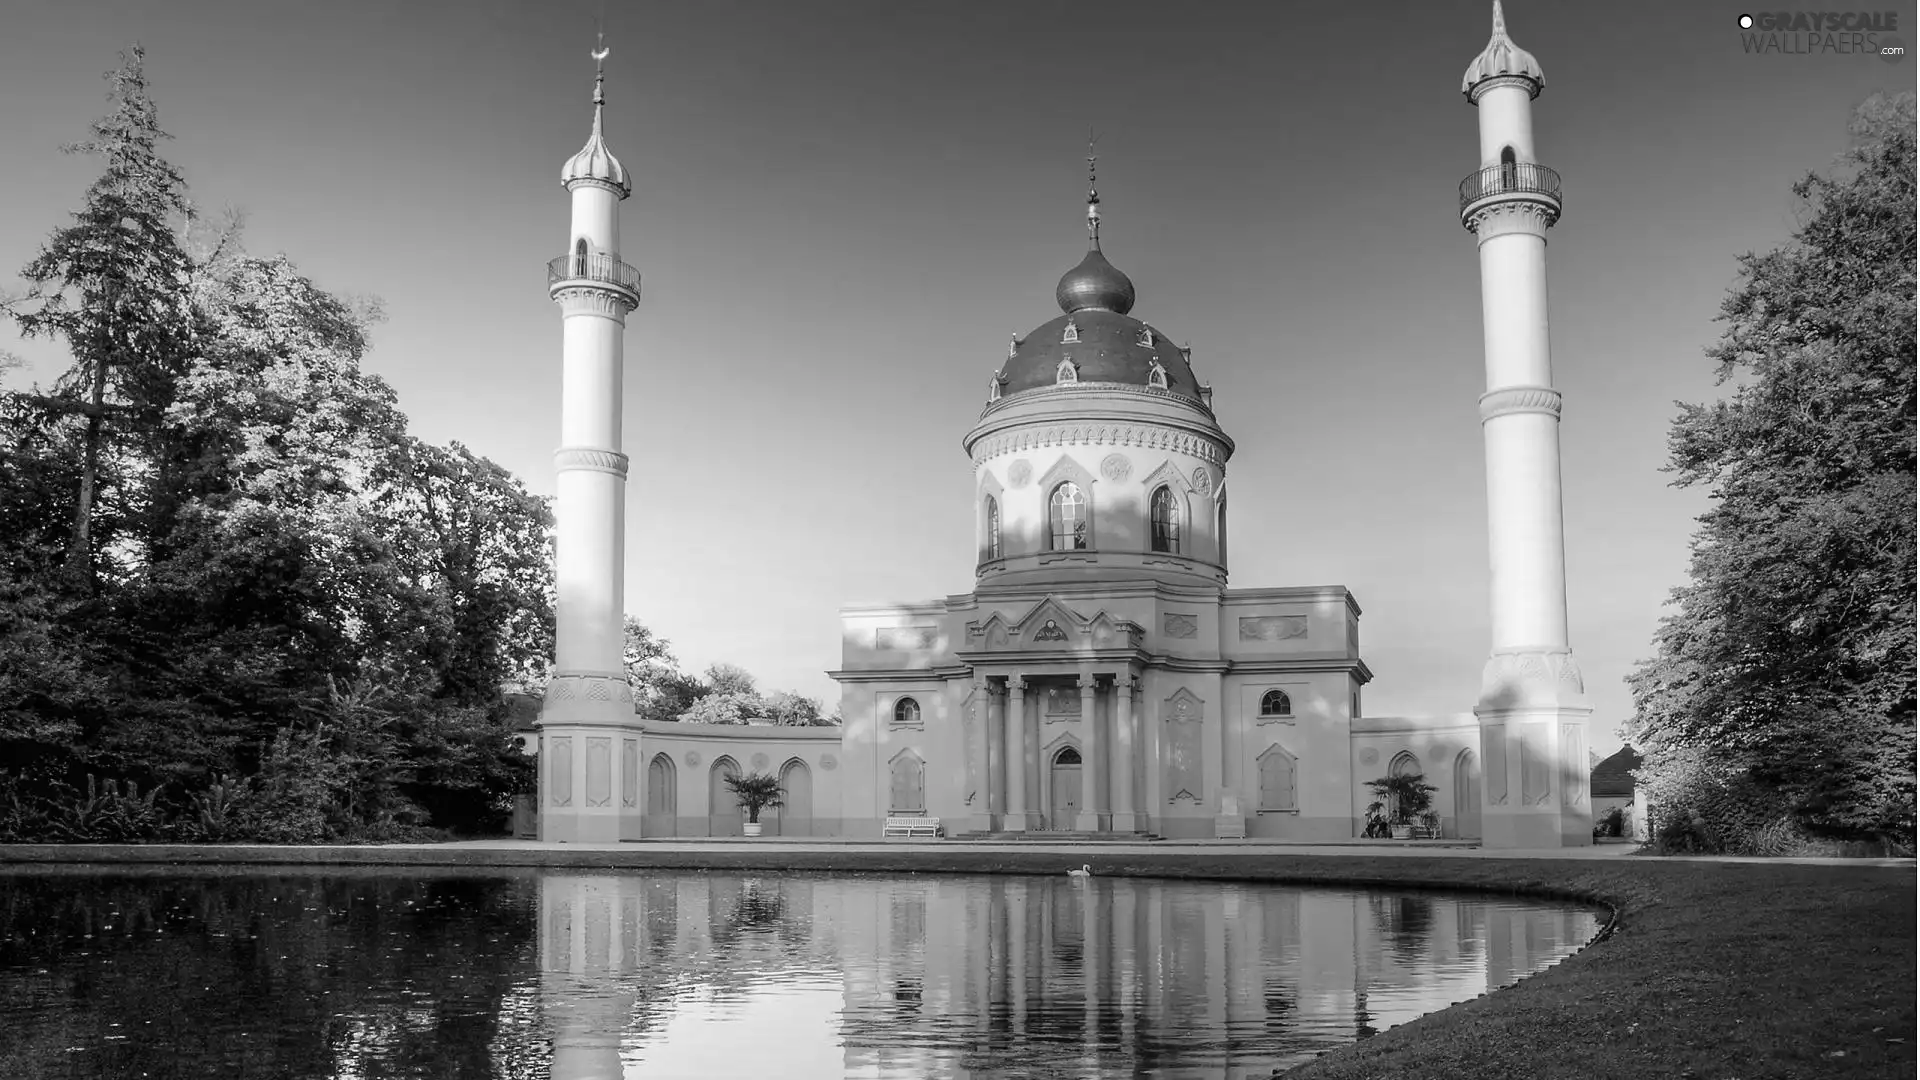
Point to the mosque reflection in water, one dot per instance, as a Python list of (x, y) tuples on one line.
[(713, 974)]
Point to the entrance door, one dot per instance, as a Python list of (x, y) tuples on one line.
[(1066, 789), (1466, 794)]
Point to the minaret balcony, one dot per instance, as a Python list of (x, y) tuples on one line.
[(601, 271), (1510, 182)]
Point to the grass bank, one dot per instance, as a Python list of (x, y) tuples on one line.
[(1709, 970)]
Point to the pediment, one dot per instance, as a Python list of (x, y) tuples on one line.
[(1050, 625), (994, 633)]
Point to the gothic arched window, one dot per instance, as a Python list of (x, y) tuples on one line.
[(1067, 514), (1276, 703), (993, 527), (1165, 518)]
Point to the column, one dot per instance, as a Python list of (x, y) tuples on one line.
[(1016, 755), (1088, 819), (1123, 752), (984, 750)]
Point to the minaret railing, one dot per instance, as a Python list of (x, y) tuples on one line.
[(599, 267), (1518, 178)]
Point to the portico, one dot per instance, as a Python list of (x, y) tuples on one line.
[(1056, 748)]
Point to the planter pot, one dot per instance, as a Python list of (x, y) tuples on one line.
[(751, 828), (1403, 832)]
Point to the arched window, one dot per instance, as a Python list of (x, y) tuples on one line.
[(1066, 372), (993, 527), (1165, 518), (580, 258), (1157, 376), (1067, 756), (1276, 703), (1067, 514), (1509, 169), (906, 711)]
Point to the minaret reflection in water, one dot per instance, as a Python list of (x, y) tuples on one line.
[(711, 974)]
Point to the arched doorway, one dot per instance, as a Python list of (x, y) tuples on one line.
[(795, 815), (663, 803), (1064, 800), (1466, 795), (723, 809), (907, 789)]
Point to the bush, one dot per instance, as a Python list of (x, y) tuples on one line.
[(1612, 823)]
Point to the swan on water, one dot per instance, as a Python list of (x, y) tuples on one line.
[(1084, 871)]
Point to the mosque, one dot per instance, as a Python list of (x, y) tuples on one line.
[(1101, 678)]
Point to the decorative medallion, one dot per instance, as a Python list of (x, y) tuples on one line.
[(692, 758), (1179, 626), (1019, 473), (759, 761), (1369, 756), (829, 762), (1203, 481), (1116, 467)]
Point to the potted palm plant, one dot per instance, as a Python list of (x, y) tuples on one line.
[(755, 792), (1407, 796)]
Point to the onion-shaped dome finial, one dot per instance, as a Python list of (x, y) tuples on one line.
[(595, 161), (1095, 283), (1500, 58)]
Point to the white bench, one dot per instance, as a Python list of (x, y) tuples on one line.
[(911, 826)]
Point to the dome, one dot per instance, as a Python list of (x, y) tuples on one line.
[(1502, 57), (1095, 283), (595, 161), (1109, 348)]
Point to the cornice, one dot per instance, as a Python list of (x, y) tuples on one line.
[(983, 445), (578, 296), (1525, 213)]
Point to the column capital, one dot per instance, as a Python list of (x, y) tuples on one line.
[(1016, 684)]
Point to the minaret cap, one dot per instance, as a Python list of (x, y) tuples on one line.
[(595, 161), (1500, 58)]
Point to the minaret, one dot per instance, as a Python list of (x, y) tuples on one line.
[(590, 772), (1532, 709)]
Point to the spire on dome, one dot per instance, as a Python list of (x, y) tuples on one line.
[(595, 161), (1095, 283), (1093, 196), (1500, 58)]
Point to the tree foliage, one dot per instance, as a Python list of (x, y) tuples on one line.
[(1783, 683), (230, 575)]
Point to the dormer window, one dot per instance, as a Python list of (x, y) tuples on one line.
[(1157, 376), (1072, 335), (1066, 373), (1013, 344), (993, 388), (1146, 337)]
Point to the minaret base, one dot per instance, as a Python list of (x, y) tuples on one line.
[(591, 780), (1533, 751)]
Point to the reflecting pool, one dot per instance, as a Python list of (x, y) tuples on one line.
[(580, 976)]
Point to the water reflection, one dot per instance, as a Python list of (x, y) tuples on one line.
[(588, 976), (974, 976)]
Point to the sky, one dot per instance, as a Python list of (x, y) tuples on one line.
[(842, 210)]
